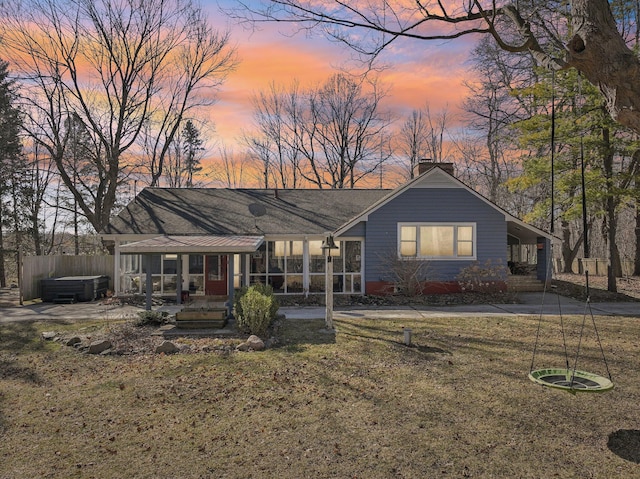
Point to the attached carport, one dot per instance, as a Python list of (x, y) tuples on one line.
[(520, 233), (179, 245)]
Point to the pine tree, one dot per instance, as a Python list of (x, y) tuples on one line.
[(192, 149), (10, 164)]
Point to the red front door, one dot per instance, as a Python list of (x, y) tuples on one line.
[(216, 283)]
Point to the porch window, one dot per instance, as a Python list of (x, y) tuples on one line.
[(195, 279), (316, 266), (280, 264), (164, 273), (437, 241), (347, 267)]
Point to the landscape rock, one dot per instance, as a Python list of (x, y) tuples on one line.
[(253, 343), (98, 347), (167, 347), (73, 341), (49, 335)]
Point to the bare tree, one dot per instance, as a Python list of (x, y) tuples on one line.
[(421, 137), (276, 135), (40, 174), (120, 66), (233, 168), (412, 140), (595, 46), (333, 135), (492, 107), (347, 128)]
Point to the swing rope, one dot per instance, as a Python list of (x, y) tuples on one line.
[(562, 329), (548, 266), (558, 378)]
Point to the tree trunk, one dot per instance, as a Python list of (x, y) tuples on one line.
[(636, 263), (3, 274), (598, 50), (614, 256), (569, 253)]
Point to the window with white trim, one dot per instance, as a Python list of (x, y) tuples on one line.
[(437, 240)]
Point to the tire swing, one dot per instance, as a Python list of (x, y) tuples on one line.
[(570, 379)]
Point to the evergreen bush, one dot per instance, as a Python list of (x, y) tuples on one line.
[(255, 308)]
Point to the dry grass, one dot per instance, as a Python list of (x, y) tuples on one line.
[(356, 405)]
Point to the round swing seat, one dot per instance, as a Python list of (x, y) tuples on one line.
[(571, 381)]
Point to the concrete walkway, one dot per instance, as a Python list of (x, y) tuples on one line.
[(529, 303)]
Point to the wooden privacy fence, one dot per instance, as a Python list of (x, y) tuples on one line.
[(596, 266), (36, 268)]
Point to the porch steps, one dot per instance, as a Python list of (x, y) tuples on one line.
[(207, 312), (522, 284), (201, 324)]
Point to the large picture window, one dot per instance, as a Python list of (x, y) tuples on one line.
[(437, 241)]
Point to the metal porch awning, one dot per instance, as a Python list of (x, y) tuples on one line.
[(194, 244)]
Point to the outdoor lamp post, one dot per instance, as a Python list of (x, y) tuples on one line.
[(327, 245)]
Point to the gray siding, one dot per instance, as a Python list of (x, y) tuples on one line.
[(445, 205)]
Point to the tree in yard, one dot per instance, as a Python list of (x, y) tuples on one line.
[(277, 136), (491, 109), (183, 160), (11, 166), (130, 71), (232, 170), (332, 135), (421, 137), (39, 174), (585, 134), (348, 129), (193, 148)]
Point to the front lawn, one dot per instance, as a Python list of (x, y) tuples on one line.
[(360, 404)]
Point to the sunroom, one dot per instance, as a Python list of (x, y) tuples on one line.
[(192, 266)]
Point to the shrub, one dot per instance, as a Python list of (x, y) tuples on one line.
[(152, 318), (407, 275), (483, 278), (255, 308)]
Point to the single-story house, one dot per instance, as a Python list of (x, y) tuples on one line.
[(208, 241)]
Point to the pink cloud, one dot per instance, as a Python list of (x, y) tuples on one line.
[(421, 73)]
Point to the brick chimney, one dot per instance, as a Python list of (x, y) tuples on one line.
[(426, 165)]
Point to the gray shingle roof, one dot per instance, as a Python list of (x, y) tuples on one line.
[(222, 211)]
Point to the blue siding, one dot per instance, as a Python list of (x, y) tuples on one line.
[(447, 205), (356, 231)]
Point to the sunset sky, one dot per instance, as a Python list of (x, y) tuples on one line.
[(422, 72)]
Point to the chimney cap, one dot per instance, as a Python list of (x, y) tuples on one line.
[(425, 165)]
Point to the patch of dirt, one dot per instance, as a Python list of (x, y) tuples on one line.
[(574, 286), (401, 300), (130, 339)]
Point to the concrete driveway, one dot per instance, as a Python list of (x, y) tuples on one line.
[(529, 304)]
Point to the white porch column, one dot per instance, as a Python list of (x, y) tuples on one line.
[(328, 287), (327, 246), (305, 267), (116, 269)]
